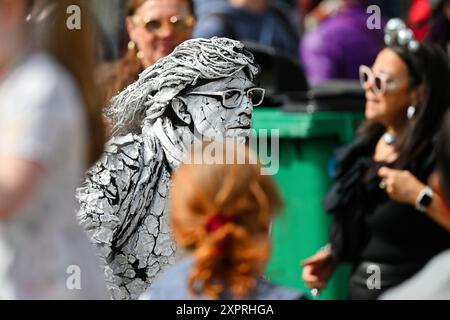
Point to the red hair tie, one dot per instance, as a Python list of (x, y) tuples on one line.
[(216, 221)]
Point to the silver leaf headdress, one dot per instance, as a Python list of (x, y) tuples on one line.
[(397, 33)]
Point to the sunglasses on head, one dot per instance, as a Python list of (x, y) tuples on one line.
[(178, 23), (380, 83)]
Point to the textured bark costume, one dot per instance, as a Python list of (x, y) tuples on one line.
[(123, 201)]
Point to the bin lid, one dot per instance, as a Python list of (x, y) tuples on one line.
[(280, 74), (335, 95)]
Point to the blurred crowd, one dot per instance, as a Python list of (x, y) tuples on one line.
[(325, 37), (390, 201)]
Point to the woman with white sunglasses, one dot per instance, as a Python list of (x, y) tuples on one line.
[(386, 217)]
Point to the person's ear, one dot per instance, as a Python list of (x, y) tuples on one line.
[(130, 28), (179, 106)]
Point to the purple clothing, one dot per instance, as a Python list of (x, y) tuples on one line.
[(339, 45)]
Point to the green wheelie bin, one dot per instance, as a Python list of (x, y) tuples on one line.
[(307, 141)]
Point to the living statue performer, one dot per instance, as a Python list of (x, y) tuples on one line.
[(205, 88)]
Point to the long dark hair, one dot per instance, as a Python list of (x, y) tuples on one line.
[(443, 157), (429, 72)]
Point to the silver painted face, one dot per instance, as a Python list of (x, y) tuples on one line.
[(211, 118)]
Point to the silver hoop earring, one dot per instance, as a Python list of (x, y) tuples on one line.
[(410, 112)]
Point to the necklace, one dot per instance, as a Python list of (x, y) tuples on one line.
[(389, 138)]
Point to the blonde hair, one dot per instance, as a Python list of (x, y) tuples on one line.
[(228, 258), (76, 51)]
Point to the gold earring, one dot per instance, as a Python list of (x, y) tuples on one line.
[(131, 46), (140, 55)]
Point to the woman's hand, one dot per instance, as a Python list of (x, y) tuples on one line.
[(401, 185), (318, 269)]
